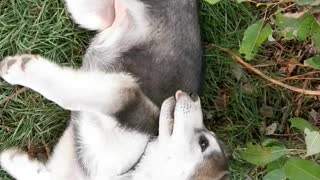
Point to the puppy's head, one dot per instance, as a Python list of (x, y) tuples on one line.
[(189, 144)]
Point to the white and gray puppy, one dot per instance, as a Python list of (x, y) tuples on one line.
[(116, 115)]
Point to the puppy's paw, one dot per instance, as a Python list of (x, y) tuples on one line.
[(19, 165), (13, 68), (11, 159)]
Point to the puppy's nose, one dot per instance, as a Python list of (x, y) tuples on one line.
[(179, 93), (194, 96)]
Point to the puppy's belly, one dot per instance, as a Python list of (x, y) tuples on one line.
[(107, 149)]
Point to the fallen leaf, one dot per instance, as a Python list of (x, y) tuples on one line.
[(315, 3), (237, 71), (312, 139), (315, 116), (247, 88), (266, 111), (295, 15), (259, 155), (221, 100), (271, 129), (291, 65)]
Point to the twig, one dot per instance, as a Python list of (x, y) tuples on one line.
[(298, 77), (297, 112), (20, 91), (46, 148), (258, 72), (285, 135)]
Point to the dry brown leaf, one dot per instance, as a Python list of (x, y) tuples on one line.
[(271, 129), (316, 15), (295, 15), (221, 100), (291, 65), (266, 111), (315, 3), (315, 116)]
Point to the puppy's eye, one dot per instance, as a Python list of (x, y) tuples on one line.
[(194, 97), (203, 142)]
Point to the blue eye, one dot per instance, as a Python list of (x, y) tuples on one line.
[(203, 142)]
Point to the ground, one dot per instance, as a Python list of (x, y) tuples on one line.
[(232, 107)]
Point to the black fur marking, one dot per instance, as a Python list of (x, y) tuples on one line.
[(10, 63), (25, 61), (138, 115)]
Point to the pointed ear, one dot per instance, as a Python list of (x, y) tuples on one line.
[(92, 14)]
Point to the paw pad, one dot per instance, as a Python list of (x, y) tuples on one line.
[(19, 60)]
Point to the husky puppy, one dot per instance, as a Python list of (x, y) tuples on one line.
[(144, 52)]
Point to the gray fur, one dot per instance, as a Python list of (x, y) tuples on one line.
[(171, 58)]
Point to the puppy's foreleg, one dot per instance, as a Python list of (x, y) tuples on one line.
[(71, 89)]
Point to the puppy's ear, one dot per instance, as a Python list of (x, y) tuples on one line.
[(92, 14)]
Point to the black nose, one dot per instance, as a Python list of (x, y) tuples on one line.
[(194, 96)]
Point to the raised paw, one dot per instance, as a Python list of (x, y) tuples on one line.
[(19, 165), (12, 159), (12, 68)]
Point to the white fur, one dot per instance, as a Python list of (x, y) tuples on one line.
[(18, 164), (111, 147), (77, 91), (91, 14), (74, 90), (176, 155)]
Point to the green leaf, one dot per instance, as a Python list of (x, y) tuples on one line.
[(316, 35), (259, 155), (304, 2), (304, 27), (313, 62), (277, 174), (287, 26), (302, 124), (271, 142), (278, 164), (212, 1), (300, 169), (316, 39), (312, 139), (254, 36)]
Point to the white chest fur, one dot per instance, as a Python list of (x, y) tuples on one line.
[(107, 147)]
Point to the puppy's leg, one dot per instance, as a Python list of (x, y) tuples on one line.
[(166, 120), (62, 163), (21, 167), (92, 14), (71, 89), (102, 14)]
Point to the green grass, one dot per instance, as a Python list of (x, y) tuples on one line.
[(43, 27)]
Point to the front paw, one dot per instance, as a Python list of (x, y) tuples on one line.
[(11, 158), (13, 68)]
